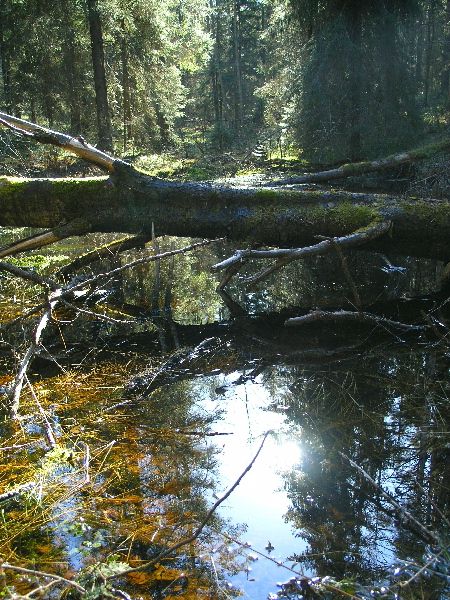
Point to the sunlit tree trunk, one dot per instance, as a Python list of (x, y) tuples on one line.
[(98, 62), (126, 108)]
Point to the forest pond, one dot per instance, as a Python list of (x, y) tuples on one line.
[(159, 399)]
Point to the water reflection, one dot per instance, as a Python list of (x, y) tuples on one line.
[(189, 422)]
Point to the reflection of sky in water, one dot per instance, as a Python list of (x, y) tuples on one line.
[(260, 500)]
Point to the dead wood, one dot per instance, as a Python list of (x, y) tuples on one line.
[(361, 168), (353, 317)]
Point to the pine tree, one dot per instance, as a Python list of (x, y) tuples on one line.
[(355, 97)]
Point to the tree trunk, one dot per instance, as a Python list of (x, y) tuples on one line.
[(445, 73), (355, 66), (4, 59), (73, 78), (429, 51), (369, 166), (98, 62), (127, 132), (238, 94), (216, 80), (132, 202)]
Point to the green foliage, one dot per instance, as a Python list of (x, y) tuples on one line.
[(365, 90)]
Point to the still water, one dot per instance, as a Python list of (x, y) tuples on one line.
[(160, 409)]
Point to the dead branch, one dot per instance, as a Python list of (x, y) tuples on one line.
[(284, 256), (17, 491), (360, 168), (48, 428), (57, 578), (28, 275), (108, 251), (15, 390), (351, 316), (405, 515), (59, 295), (76, 145), (45, 238), (139, 261), (202, 524)]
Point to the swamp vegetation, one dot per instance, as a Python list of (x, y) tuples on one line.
[(147, 397), (224, 299)]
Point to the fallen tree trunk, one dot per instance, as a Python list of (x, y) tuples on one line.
[(371, 166), (129, 201), (132, 202)]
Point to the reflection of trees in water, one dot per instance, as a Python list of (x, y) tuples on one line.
[(153, 490), (387, 412)]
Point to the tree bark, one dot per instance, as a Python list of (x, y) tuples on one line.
[(216, 79), (72, 71), (429, 50), (132, 202), (126, 88), (360, 168), (98, 62), (355, 66), (445, 73), (4, 59), (238, 94)]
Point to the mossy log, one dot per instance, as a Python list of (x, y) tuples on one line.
[(131, 202), (370, 166)]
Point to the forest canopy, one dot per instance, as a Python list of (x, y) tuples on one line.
[(339, 80)]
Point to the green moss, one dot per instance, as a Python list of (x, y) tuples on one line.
[(437, 213), (269, 195), (342, 218), (429, 149), (355, 168), (71, 186)]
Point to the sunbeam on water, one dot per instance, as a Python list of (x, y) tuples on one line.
[(260, 501)]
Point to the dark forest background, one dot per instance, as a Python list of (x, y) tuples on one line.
[(326, 80)]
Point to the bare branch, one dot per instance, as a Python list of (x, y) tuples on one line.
[(204, 521), (140, 261), (76, 145), (57, 578), (284, 256), (351, 316), (28, 275), (16, 388), (405, 514), (106, 251), (48, 428)]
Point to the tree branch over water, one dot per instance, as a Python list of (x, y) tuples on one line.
[(130, 201)]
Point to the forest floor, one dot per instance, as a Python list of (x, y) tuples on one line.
[(425, 178)]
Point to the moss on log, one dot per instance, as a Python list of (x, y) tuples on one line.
[(131, 202), (361, 168)]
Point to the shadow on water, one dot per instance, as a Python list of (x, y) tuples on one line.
[(170, 407)]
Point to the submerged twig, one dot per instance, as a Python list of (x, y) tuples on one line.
[(204, 521), (403, 512), (57, 578)]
